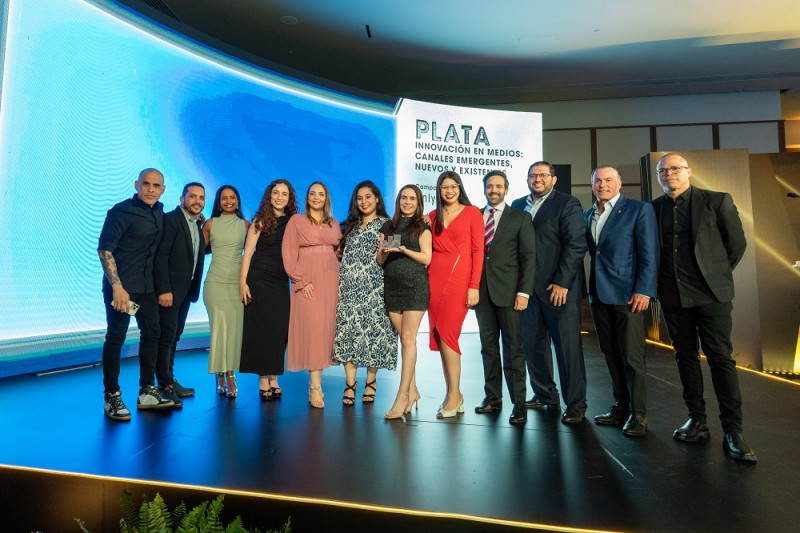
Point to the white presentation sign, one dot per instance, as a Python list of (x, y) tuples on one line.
[(434, 138)]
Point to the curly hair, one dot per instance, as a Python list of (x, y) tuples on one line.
[(265, 220)]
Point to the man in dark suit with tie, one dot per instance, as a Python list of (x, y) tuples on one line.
[(506, 285), (178, 272), (559, 285), (623, 258), (701, 242)]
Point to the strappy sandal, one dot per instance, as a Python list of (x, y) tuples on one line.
[(320, 403), (347, 400), (276, 393), (369, 398), (265, 394), (232, 390), (221, 388)]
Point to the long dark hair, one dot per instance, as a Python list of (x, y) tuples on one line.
[(438, 222), (327, 217), (416, 225), (354, 214), (217, 209), (265, 220)]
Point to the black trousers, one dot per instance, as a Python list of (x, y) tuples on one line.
[(172, 320), (147, 320), (542, 322), (710, 324), (496, 323), (621, 336)]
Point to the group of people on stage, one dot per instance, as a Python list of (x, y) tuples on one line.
[(299, 291)]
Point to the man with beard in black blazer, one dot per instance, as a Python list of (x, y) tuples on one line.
[(559, 286), (702, 240), (506, 286), (178, 272)]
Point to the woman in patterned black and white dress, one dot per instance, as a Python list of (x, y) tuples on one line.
[(364, 333)]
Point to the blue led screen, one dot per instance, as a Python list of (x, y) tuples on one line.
[(91, 95)]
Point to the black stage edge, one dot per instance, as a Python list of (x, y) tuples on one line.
[(51, 500), (347, 469)]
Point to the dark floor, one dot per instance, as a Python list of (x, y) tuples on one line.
[(581, 476)]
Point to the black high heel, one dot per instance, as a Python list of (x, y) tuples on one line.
[(347, 400), (369, 398)]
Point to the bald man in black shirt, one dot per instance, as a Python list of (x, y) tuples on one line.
[(127, 247), (701, 242)]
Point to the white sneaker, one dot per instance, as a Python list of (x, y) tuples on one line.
[(150, 398), (114, 407)]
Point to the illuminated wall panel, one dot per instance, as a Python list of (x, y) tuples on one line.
[(90, 98)]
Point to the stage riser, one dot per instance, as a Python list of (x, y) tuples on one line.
[(49, 502)]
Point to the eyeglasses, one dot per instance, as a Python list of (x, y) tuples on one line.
[(445, 188), (666, 171), (542, 176)]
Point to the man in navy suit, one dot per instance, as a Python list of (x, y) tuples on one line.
[(623, 257), (178, 271), (702, 241), (506, 286), (559, 285)]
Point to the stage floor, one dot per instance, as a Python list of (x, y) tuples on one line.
[(543, 473)]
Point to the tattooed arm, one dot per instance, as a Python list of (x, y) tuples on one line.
[(121, 299)]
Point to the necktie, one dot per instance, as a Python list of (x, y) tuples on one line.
[(489, 235)]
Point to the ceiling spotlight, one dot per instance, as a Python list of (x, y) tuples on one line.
[(289, 20)]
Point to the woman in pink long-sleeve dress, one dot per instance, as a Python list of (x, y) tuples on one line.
[(309, 256)]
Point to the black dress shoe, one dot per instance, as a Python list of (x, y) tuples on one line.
[(693, 430), (181, 391), (737, 447), (572, 417), (536, 403), (519, 414), (636, 426), (614, 417), (489, 406)]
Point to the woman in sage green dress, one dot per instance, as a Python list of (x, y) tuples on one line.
[(224, 234)]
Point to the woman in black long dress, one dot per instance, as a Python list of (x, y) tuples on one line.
[(264, 289), (406, 292)]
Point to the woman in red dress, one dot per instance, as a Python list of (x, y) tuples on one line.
[(454, 274)]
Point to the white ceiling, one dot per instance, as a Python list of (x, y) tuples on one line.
[(491, 52)]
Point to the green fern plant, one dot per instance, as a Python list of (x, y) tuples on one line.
[(153, 516), (130, 512)]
